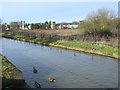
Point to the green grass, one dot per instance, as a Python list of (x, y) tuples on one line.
[(8, 69), (99, 48), (11, 76), (103, 49)]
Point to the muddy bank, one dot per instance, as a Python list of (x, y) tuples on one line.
[(11, 76)]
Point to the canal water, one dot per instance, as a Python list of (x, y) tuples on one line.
[(70, 69)]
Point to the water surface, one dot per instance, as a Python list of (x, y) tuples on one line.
[(70, 69)]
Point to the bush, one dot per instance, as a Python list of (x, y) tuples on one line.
[(102, 22)]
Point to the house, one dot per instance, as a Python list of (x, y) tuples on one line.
[(21, 24), (73, 25), (53, 25)]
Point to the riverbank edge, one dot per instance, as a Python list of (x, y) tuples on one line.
[(12, 77), (60, 46)]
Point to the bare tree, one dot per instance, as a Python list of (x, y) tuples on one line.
[(14, 26)]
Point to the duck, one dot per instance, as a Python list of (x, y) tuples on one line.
[(37, 85), (93, 49), (34, 70), (51, 80)]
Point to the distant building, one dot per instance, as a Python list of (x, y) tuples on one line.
[(21, 24), (29, 27), (73, 25), (53, 25), (5, 26)]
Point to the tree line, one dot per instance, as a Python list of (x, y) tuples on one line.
[(16, 26), (46, 25), (104, 22)]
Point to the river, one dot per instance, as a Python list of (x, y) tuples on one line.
[(70, 69)]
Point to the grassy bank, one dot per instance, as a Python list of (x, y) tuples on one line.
[(72, 45), (11, 76)]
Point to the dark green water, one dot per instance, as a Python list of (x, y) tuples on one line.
[(70, 69)]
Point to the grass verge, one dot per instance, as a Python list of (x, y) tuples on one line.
[(11, 76), (72, 45)]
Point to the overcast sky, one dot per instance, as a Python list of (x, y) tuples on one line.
[(54, 11)]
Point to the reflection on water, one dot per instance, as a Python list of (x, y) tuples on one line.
[(71, 69)]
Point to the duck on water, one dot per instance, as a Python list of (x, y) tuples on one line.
[(51, 80), (34, 70), (37, 85)]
